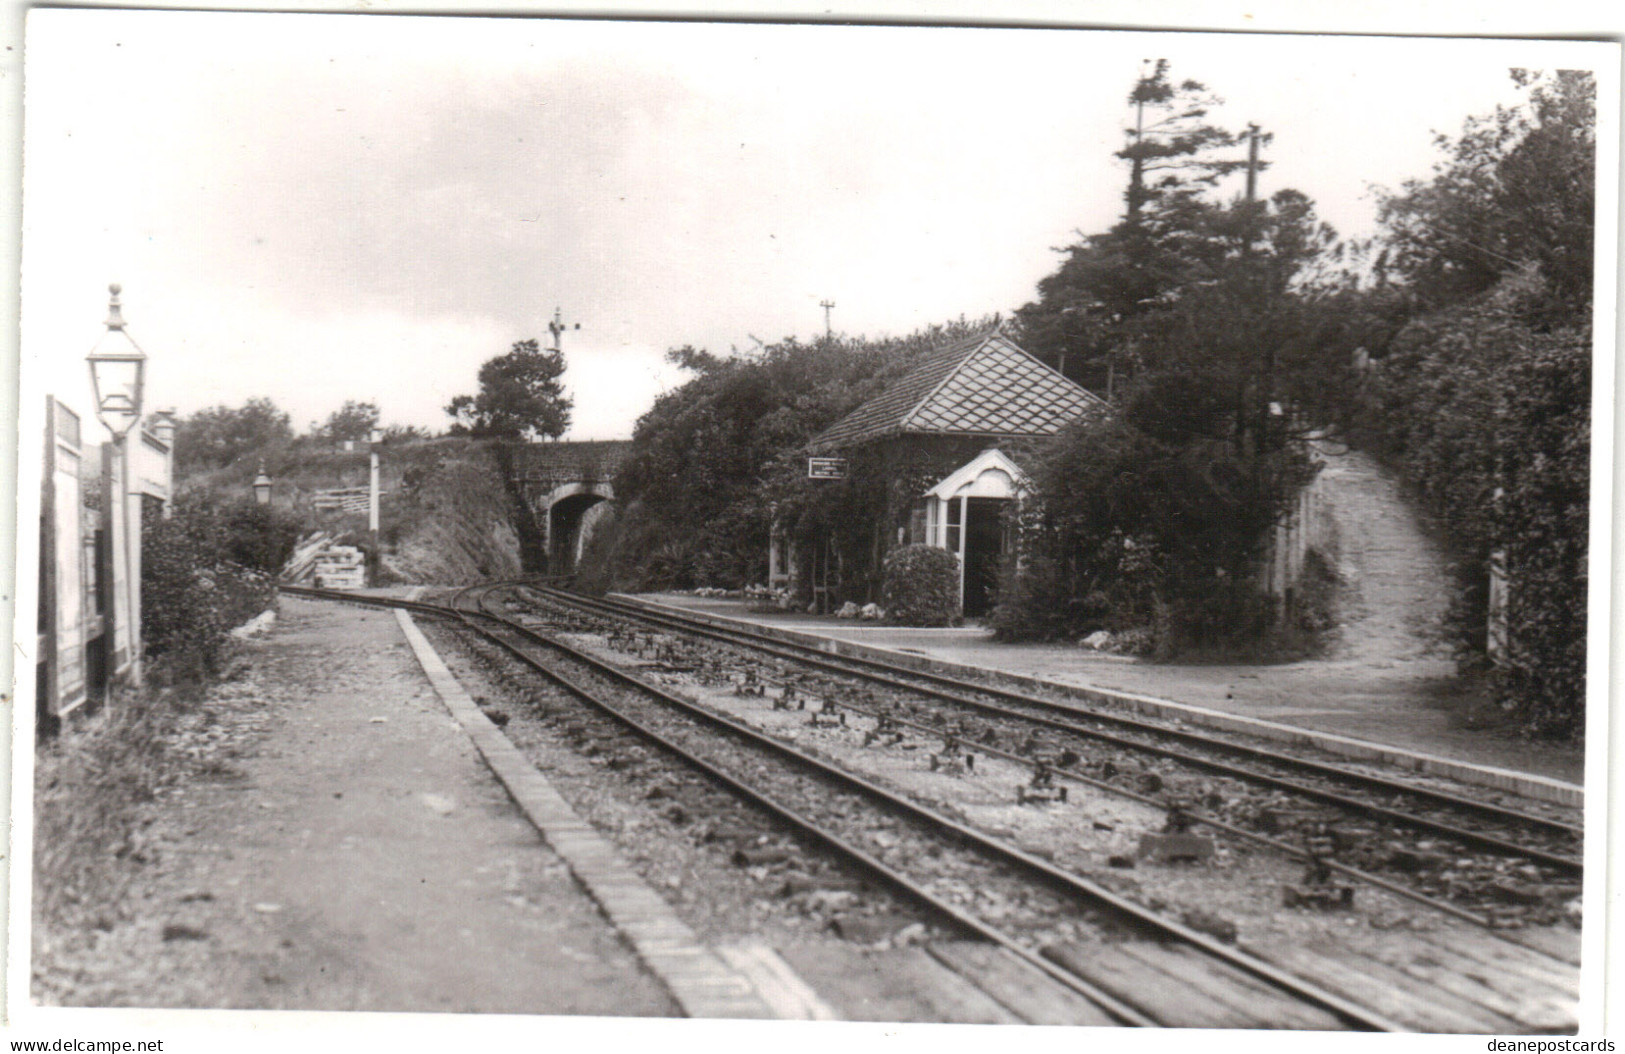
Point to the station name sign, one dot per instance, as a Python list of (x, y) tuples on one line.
[(826, 468)]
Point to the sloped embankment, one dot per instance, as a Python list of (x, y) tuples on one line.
[(451, 520), (446, 516)]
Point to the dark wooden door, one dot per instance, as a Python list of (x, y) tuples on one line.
[(984, 547)]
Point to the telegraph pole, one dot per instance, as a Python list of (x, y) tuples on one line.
[(827, 305), (1252, 163), (1266, 392)]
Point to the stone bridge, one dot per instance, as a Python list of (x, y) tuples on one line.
[(568, 487)]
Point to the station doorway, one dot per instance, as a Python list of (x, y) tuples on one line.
[(984, 550)]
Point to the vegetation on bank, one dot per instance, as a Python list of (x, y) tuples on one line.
[(1481, 393), (206, 568), (716, 459)]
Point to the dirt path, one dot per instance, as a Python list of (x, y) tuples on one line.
[(1397, 585), (355, 854)]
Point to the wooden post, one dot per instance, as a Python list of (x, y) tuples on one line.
[(964, 530), (131, 497), (45, 705)]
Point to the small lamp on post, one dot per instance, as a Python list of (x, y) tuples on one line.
[(262, 487), (118, 375)]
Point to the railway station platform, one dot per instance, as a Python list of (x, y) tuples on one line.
[(353, 852), (1407, 712)]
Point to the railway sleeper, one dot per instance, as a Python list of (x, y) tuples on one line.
[(1331, 897), (1176, 847)]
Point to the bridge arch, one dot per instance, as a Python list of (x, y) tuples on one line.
[(570, 513), (567, 488)]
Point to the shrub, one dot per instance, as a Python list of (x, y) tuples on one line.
[(920, 586), (257, 536), (1132, 525), (1036, 602), (193, 591)]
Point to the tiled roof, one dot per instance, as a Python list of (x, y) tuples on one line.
[(985, 385)]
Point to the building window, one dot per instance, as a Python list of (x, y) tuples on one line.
[(955, 510), (916, 525)]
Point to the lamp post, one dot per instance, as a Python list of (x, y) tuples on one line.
[(262, 486), (118, 373)]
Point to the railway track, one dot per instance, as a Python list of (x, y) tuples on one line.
[(1076, 931), (922, 854), (1477, 860)]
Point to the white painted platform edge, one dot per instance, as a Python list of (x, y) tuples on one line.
[(697, 978), (1526, 784)]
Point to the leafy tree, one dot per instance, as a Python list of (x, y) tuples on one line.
[(1081, 321), (218, 436), (1249, 322), (1202, 318), (1154, 519), (353, 421), (520, 396), (1517, 186)]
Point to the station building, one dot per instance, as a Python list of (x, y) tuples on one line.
[(946, 442)]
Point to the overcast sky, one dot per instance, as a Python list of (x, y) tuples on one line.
[(321, 207)]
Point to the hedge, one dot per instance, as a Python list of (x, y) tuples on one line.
[(1490, 416)]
